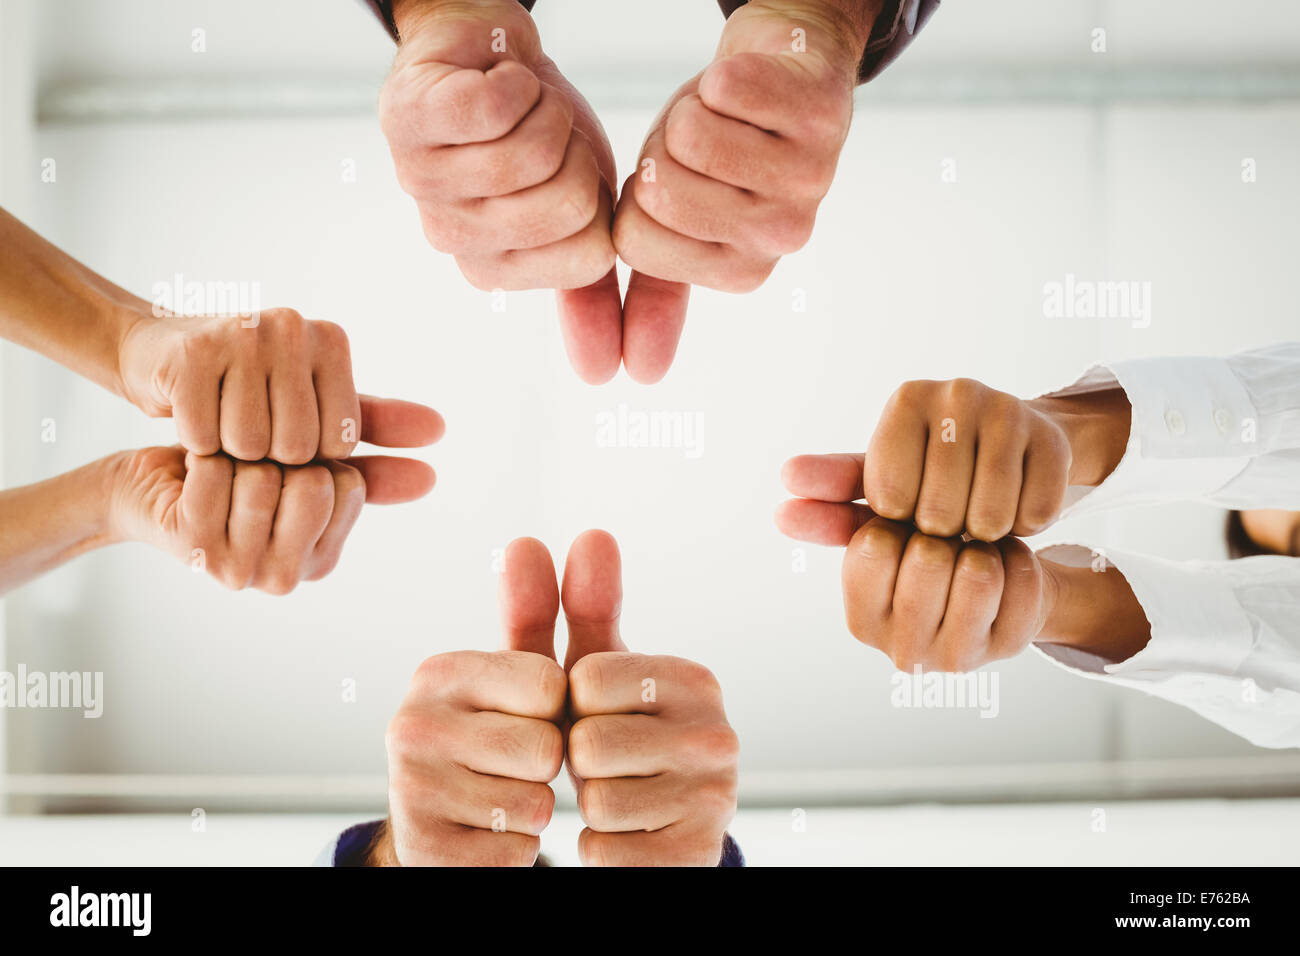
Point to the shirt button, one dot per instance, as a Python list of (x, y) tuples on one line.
[(1174, 422), (1222, 420)]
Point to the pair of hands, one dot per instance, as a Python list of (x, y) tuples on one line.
[(480, 736), (513, 174), (931, 575), (263, 489)]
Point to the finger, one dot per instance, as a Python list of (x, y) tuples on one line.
[(633, 804), (393, 423), (349, 497), (528, 598), (963, 639), (521, 683), (196, 406), (868, 577), (473, 106), (821, 522), (921, 594), (546, 213), (726, 149), (945, 484), (674, 845), (295, 418), (393, 481), (573, 263), (769, 91), (254, 497), (303, 514), (693, 205), (620, 745), (245, 414), (205, 499), (499, 805), (650, 247), (591, 323), (336, 396), (654, 313), (1017, 620), (531, 153), (1046, 478), (895, 460), (995, 488), (505, 745), (617, 682), (592, 596), (825, 477)]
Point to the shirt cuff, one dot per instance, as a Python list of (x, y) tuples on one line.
[(1192, 431), (1200, 639)]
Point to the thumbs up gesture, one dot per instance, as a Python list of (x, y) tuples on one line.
[(650, 750), (481, 735)]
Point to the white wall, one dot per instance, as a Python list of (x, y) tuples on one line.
[(906, 277)]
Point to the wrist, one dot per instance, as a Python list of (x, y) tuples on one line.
[(848, 23), (1096, 425), (409, 14), (1093, 609)]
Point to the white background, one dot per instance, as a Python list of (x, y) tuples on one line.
[(906, 277)]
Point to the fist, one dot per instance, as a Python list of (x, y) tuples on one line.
[(951, 457), (253, 524), (271, 385), (732, 171), (938, 603), (470, 755), (653, 758)]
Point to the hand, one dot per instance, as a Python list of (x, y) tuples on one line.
[(510, 168), (651, 754), (476, 743), (937, 603), (952, 457), (271, 385), (260, 524), (735, 166)]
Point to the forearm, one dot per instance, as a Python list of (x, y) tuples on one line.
[(1097, 426), (1093, 610), (54, 521), (54, 305)]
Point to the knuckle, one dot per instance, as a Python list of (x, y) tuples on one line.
[(585, 746)]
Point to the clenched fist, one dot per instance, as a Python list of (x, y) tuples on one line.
[(480, 736), (267, 385), (958, 457), (510, 169), (261, 524), (735, 166)]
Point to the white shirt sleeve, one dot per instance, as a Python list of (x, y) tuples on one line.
[(1225, 431), (1225, 639)]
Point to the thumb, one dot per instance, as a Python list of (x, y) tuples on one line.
[(591, 322), (528, 598), (592, 596), (393, 423), (654, 312), (392, 481)]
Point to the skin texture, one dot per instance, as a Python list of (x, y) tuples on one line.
[(514, 176), (510, 169), (958, 457), (483, 732), (734, 167), (247, 524), (931, 575), (267, 385), (955, 605)]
